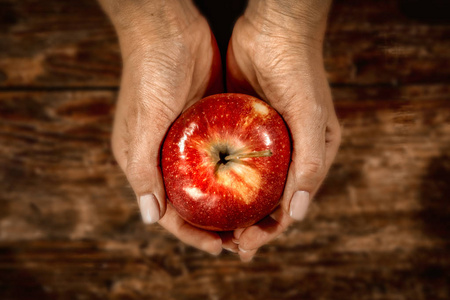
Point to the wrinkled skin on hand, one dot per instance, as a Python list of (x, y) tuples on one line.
[(277, 57), (170, 61)]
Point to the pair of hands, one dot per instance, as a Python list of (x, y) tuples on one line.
[(170, 61)]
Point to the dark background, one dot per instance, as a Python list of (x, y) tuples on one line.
[(379, 228), (221, 16)]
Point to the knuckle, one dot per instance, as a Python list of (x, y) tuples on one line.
[(317, 111), (307, 109), (119, 147), (333, 135), (313, 169)]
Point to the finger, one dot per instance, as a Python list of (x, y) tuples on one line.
[(307, 109), (247, 255), (142, 173), (264, 231), (237, 233), (207, 241), (313, 154), (144, 114), (308, 166), (227, 241)]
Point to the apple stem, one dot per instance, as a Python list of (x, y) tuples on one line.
[(264, 153)]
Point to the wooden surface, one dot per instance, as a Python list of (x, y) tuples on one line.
[(379, 228)]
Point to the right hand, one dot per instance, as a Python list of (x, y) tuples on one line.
[(170, 61), (275, 53)]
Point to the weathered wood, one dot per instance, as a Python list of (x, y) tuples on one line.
[(378, 229), (379, 226), (57, 44), (110, 270), (72, 44), (387, 42)]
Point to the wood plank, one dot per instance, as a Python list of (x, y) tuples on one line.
[(118, 270), (378, 229), (387, 43), (69, 225), (57, 44), (61, 44)]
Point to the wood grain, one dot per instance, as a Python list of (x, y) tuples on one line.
[(57, 44), (378, 229), (72, 44), (387, 43), (379, 225)]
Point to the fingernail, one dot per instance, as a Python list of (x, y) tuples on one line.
[(217, 252), (299, 205), (242, 250), (230, 250), (149, 208), (235, 241)]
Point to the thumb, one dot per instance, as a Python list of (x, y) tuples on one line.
[(309, 165), (136, 151), (307, 118), (141, 121), (143, 173)]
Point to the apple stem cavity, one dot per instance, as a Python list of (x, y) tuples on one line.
[(264, 153), (225, 157)]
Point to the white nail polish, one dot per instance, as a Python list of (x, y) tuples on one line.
[(299, 205), (242, 250), (230, 250), (149, 207)]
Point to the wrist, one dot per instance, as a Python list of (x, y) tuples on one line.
[(290, 18), (139, 21)]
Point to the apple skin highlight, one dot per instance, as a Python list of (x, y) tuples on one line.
[(225, 160)]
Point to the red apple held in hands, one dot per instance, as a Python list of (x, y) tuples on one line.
[(225, 162)]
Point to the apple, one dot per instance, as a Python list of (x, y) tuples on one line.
[(225, 160)]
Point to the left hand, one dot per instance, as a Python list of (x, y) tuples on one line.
[(277, 55), (170, 60)]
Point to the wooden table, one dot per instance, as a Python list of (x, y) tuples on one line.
[(379, 228)]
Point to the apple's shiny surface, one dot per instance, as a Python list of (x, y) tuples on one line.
[(225, 161)]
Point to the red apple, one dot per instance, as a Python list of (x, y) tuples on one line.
[(225, 161)]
